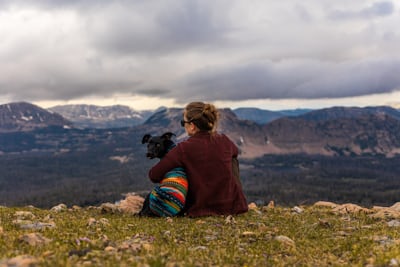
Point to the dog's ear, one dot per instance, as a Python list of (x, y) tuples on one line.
[(146, 138), (167, 135)]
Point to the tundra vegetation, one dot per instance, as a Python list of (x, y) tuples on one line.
[(313, 235), (94, 177)]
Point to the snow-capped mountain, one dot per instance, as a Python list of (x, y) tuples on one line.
[(92, 116), (22, 116)]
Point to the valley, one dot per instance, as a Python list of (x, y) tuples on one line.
[(339, 154)]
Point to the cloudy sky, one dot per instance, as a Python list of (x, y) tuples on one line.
[(264, 53)]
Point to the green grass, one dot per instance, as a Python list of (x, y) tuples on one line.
[(320, 238)]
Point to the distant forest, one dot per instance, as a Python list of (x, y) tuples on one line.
[(304, 179), (91, 178)]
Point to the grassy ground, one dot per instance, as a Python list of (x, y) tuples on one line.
[(263, 237)]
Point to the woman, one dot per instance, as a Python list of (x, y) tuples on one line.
[(207, 158)]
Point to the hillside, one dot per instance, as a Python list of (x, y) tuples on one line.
[(262, 116), (322, 234), (22, 116), (351, 157), (92, 116), (336, 131)]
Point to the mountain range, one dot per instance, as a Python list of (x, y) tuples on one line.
[(342, 154), (330, 131)]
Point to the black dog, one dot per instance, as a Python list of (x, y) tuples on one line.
[(167, 199), (158, 146)]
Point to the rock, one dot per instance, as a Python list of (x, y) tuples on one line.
[(76, 208), (378, 208), (351, 208), (59, 208), (20, 261), (386, 213), (297, 210), (230, 220), (24, 215), (394, 223), (270, 206), (132, 204), (252, 206), (395, 206), (34, 239), (91, 222), (285, 240), (110, 249), (394, 262), (102, 222), (325, 204), (19, 222), (249, 234), (108, 208), (37, 225)]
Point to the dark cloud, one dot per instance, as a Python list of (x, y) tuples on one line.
[(153, 91), (171, 26), (191, 49), (299, 79)]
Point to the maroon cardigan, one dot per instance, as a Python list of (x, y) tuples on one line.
[(207, 159)]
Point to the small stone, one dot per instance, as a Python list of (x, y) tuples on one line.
[(297, 210), (34, 239), (20, 223), (350, 208), (386, 213), (230, 220), (24, 215), (110, 249), (20, 261), (394, 223), (248, 234), (394, 262), (59, 208), (91, 222), (396, 206), (47, 254), (167, 233), (285, 240), (252, 206), (108, 208), (76, 208), (37, 225), (325, 204)]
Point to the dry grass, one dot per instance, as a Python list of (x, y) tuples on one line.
[(262, 237)]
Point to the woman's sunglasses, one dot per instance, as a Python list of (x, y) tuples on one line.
[(183, 122)]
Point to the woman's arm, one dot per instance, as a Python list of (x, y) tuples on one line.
[(167, 163)]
